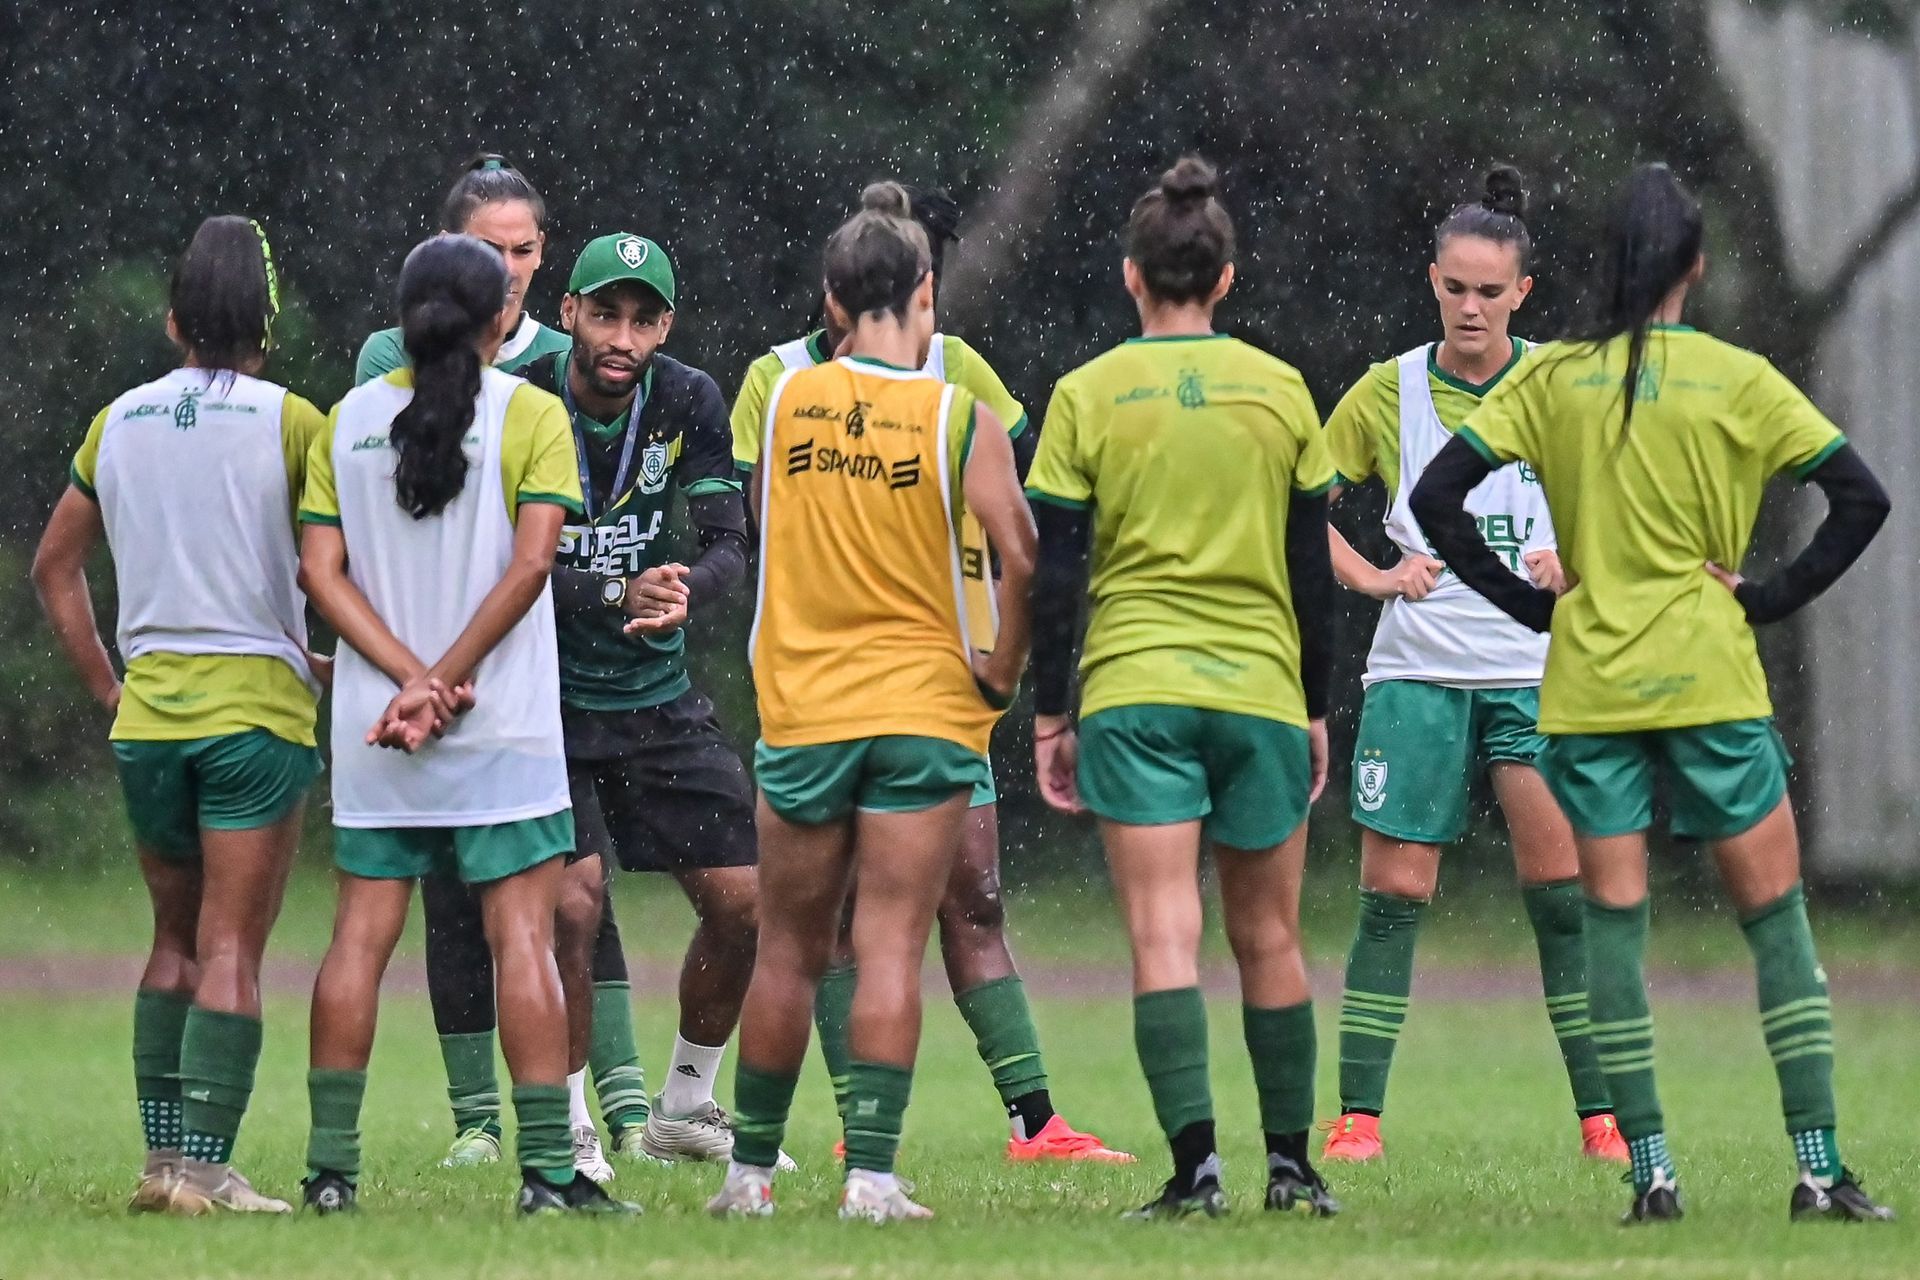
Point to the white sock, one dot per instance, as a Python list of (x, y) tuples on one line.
[(689, 1085), (578, 1116)]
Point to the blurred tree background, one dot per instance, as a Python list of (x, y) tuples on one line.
[(738, 135)]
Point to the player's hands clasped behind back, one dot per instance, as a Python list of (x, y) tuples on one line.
[(657, 601), (424, 708)]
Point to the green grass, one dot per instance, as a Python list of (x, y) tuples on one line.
[(1482, 1179)]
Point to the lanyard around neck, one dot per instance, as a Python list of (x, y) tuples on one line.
[(580, 443)]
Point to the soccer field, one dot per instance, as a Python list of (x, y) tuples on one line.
[(1481, 1179)]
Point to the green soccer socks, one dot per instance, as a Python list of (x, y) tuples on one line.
[(618, 1079), (833, 1017), (1558, 914), (1622, 1030), (1170, 1035), (1282, 1043), (333, 1102), (218, 1054), (473, 1089), (1796, 1016), (1374, 1005), (876, 1109), (159, 1023), (761, 1102)]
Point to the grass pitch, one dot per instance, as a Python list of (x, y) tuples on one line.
[(1482, 1177)]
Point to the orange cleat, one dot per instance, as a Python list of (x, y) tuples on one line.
[(1354, 1137), (1600, 1140), (840, 1151), (1058, 1140)]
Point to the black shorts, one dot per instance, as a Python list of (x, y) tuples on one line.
[(659, 788)]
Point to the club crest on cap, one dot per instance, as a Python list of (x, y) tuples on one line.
[(632, 250)]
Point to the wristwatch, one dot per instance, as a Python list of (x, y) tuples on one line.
[(613, 593)]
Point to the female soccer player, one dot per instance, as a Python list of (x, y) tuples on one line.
[(1452, 683), (433, 505), (1186, 454), (495, 202), (875, 710), (972, 918), (193, 480), (1654, 442)]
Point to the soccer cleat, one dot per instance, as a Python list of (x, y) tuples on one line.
[(329, 1192), (1658, 1203), (746, 1193), (1293, 1189), (873, 1197), (1354, 1137), (1058, 1140), (475, 1146), (628, 1146), (1844, 1201), (155, 1191), (1600, 1140), (707, 1134), (1206, 1197), (588, 1160), (218, 1187), (582, 1195)]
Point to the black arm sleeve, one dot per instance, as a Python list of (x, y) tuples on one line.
[(720, 521), (1059, 584), (1025, 445), (1310, 574), (575, 591), (1857, 506), (1439, 503)]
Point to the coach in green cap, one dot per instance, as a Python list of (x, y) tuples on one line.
[(656, 786)]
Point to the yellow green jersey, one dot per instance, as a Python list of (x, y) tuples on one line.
[(1188, 451), (536, 455), (385, 350), (172, 697), (1363, 431), (1646, 639)]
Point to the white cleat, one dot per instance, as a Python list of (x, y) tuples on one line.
[(475, 1146), (707, 1134), (747, 1193), (589, 1161), (878, 1197), (203, 1189)]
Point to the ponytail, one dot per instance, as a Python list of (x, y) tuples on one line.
[(452, 289)]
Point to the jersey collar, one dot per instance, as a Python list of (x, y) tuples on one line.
[(1461, 384), (523, 335)]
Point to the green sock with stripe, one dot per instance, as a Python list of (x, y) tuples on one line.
[(543, 1141), (1282, 1043), (1001, 1020), (876, 1111), (159, 1023), (333, 1101), (619, 1082), (473, 1089), (1622, 1029), (832, 1018), (1374, 1005), (218, 1054), (1558, 915), (1170, 1035), (761, 1101), (1796, 1016)]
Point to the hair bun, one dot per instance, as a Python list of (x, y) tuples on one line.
[(887, 197), (1191, 180), (1506, 192)]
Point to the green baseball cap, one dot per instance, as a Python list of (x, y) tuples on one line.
[(622, 256)]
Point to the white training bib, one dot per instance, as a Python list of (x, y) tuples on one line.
[(1455, 636), (502, 761), (798, 354), (192, 485)]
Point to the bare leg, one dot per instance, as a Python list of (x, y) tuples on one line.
[(1260, 894), (520, 911), (576, 927), (973, 915), (720, 957), (346, 993)]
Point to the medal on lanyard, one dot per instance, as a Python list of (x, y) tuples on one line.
[(626, 450)]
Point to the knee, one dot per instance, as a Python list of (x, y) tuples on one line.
[(1267, 939), (976, 908), (578, 917)]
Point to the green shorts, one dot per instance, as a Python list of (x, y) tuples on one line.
[(984, 793), (476, 855), (889, 774), (1720, 779), (1146, 766), (233, 782), (1417, 749)]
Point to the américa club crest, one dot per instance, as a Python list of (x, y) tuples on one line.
[(1370, 781)]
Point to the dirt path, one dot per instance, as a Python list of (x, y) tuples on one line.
[(87, 975)]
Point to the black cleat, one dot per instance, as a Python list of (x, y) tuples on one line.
[(329, 1192), (1658, 1203), (1844, 1201), (1293, 1187), (1171, 1204), (582, 1195)]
